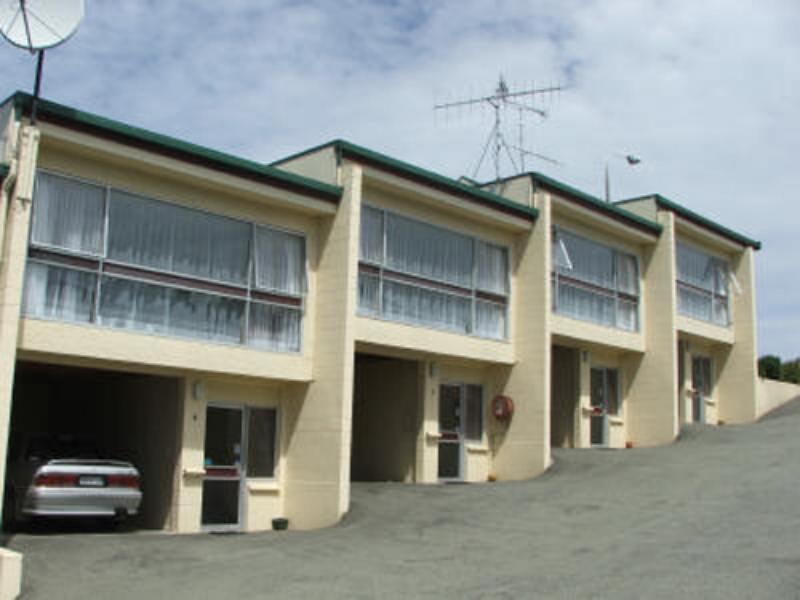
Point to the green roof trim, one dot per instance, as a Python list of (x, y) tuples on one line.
[(4, 168), (697, 219), (588, 201), (346, 149), (75, 119)]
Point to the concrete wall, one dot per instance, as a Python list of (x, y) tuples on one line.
[(774, 394)]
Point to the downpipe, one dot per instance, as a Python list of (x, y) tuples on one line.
[(5, 202)]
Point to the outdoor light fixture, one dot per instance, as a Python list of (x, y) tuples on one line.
[(632, 161)]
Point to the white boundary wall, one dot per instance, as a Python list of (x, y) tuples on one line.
[(772, 394)]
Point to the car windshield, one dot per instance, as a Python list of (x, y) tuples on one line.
[(45, 448)]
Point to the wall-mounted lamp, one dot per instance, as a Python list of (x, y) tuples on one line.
[(199, 390)]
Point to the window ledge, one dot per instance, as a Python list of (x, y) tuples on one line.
[(477, 449), (710, 402), (264, 487), (432, 437), (616, 421)]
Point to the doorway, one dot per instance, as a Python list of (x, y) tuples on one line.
[(240, 443), (222, 483), (460, 420), (701, 387), (604, 402)]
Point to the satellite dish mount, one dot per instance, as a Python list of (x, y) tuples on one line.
[(36, 25)]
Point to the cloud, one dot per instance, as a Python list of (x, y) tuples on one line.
[(705, 92)]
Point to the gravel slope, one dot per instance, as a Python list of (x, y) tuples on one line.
[(715, 515)]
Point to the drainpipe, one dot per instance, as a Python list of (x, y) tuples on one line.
[(5, 201)]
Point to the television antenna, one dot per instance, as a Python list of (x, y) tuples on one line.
[(36, 25), (504, 98)]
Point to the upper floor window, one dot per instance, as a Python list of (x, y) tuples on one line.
[(101, 255), (594, 282), (702, 285), (414, 272)]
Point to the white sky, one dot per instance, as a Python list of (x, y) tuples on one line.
[(706, 92)]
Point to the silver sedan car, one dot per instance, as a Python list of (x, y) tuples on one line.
[(62, 476)]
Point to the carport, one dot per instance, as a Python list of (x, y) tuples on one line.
[(386, 418), (565, 397), (130, 416)]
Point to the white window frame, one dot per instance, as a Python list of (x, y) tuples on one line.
[(473, 294), (248, 293), (614, 293)]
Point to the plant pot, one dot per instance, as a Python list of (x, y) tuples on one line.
[(280, 524)]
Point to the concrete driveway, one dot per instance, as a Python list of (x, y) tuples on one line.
[(716, 515)]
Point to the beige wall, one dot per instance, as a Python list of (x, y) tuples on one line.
[(14, 250), (773, 394), (652, 409), (318, 455), (521, 447), (738, 377), (320, 165), (263, 498)]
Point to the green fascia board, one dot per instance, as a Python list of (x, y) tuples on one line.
[(588, 201), (345, 149), (4, 168), (128, 134), (697, 219)]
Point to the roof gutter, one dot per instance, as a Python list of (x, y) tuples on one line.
[(171, 147)]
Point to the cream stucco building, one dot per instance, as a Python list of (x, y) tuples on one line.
[(256, 337)]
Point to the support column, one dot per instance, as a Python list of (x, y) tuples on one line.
[(653, 406), (318, 452), (522, 447), (738, 374), (12, 277)]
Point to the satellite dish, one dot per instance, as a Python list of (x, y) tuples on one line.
[(39, 24)]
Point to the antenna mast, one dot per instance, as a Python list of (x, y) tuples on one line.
[(504, 98)]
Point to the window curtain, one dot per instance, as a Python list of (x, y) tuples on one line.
[(425, 306), (157, 235), (710, 275), (368, 294), (274, 327), (58, 293), (694, 267), (584, 304), (68, 214), (627, 274), (133, 305), (591, 262), (280, 261), (427, 251), (491, 268), (490, 320), (371, 239)]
